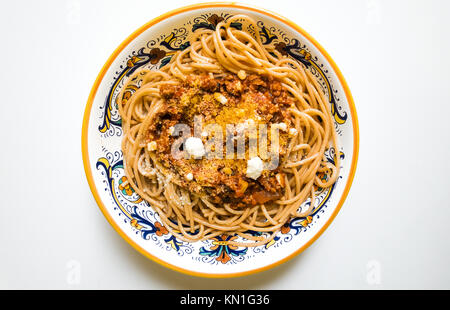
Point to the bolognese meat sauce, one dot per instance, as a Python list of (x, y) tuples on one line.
[(228, 99)]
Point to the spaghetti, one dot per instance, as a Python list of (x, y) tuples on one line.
[(227, 75)]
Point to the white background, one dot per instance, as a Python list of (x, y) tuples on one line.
[(393, 230)]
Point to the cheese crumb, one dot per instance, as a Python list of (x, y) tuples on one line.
[(189, 176), (254, 167), (280, 179), (194, 146), (281, 126), (171, 130), (221, 98), (238, 86), (241, 74), (151, 146), (293, 131)]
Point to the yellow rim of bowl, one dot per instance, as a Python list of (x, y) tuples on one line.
[(84, 135)]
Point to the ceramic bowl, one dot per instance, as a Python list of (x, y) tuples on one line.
[(151, 46)]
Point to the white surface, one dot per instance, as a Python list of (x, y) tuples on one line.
[(392, 232)]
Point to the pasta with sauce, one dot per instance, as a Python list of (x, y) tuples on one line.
[(226, 76)]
